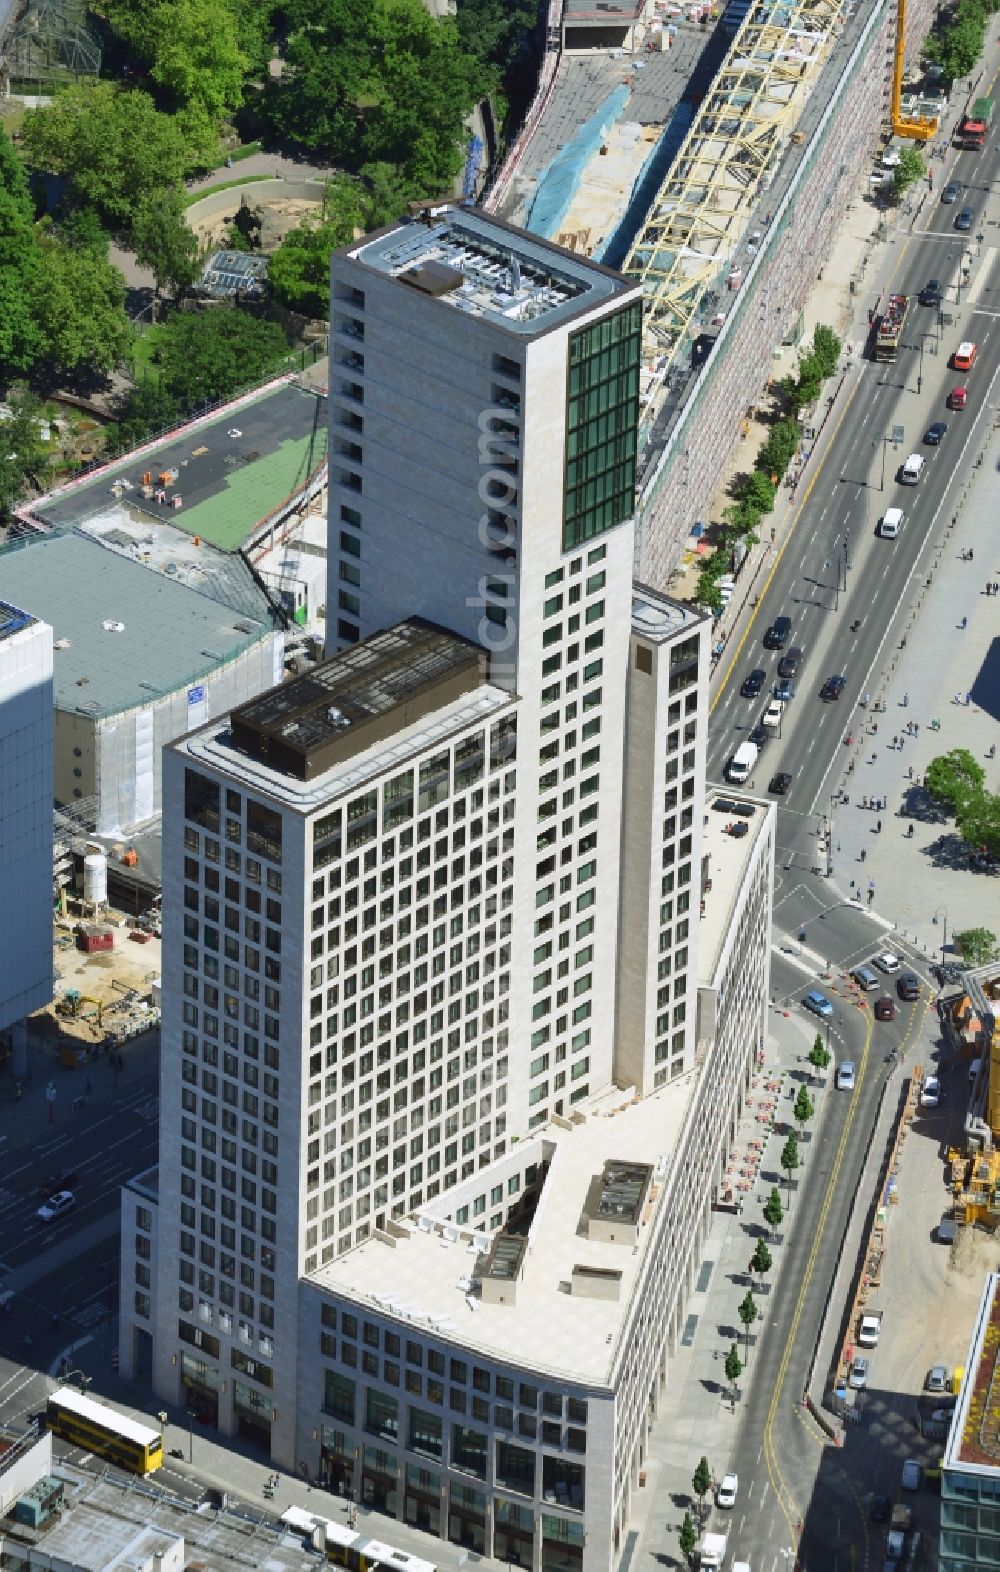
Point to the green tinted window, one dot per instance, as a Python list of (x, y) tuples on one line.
[(601, 422)]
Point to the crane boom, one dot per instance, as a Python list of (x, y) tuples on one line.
[(923, 127)]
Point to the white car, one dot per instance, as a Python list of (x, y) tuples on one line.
[(892, 523), (726, 1494), (57, 1205), (845, 1076), (887, 962), (774, 712), (930, 1095)]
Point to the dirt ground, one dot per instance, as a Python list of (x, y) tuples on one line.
[(118, 981), (278, 217)]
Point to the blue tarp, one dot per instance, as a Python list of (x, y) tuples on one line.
[(558, 183), (473, 164)]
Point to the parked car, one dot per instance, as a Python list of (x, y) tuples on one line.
[(859, 1373), (753, 683), (937, 1379), (728, 1490), (780, 783), (818, 1003), (832, 688), (845, 1076), (885, 1009), (930, 1092), (908, 986)]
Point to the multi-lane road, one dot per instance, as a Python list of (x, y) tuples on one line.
[(846, 589)]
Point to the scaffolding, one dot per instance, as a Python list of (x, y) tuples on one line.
[(49, 40), (686, 250)]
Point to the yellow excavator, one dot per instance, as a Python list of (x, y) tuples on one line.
[(923, 127)]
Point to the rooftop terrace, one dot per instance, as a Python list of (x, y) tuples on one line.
[(621, 1149), (974, 1438), (231, 470), (730, 843)]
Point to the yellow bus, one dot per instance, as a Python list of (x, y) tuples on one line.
[(89, 1424)]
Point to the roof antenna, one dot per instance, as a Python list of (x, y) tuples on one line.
[(515, 274)]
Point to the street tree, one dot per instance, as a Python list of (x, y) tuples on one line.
[(701, 1484), (803, 1108), (761, 1260), (780, 448), (954, 778), (826, 347), (734, 1369), (755, 491), (687, 1539), (909, 170), (789, 1160), (207, 356), (773, 1211), (748, 1312), (977, 946), (112, 144), (819, 1054), (163, 241), (979, 821)]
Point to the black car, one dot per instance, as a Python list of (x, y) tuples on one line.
[(832, 688), (788, 665), (880, 1509), (930, 295), (777, 634), (934, 433), (753, 683), (951, 192), (908, 986), (759, 735), (780, 783), (963, 220)]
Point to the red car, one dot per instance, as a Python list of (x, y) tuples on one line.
[(958, 398), (885, 1009)]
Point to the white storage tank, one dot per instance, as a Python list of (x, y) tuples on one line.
[(95, 879)]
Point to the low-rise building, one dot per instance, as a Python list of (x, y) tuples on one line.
[(970, 1468)]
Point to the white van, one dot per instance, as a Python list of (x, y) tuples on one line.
[(892, 523), (912, 470), (742, 762)]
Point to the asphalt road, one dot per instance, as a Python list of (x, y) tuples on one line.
[(844, 587)]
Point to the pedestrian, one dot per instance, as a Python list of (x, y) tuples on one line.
[(864, 854), (895, 740), (906, 700), (964, 622), (878, 827)]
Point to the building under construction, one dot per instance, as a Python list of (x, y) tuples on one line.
[(975, 1169)]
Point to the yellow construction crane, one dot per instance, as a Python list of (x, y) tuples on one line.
[(924, 126)]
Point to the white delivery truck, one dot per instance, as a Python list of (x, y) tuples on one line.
[(742, 762), (912, 470), (711, 1552)]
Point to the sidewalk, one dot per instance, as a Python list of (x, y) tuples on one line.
[(946, 674), (702, 1422)]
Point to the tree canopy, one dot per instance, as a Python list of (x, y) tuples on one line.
[(79, 305), (299, 271), (191, 48), (112, 145), (954, 777), (910, 168), (22, 452), (205, 356), (162, 240), (978, 946), (378, 81)]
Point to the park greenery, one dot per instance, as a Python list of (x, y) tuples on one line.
[(959, 781), (754, 493), (977, 946)]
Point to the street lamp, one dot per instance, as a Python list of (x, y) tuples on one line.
[(944, 944), (190, 1414)]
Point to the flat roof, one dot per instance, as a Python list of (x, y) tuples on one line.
[(13, 620), (130, 633), (485, 268), (346, 703), (211, 747), (729, 856), (974, 1438), (234, 469), (658, 618), (548, 1329)]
